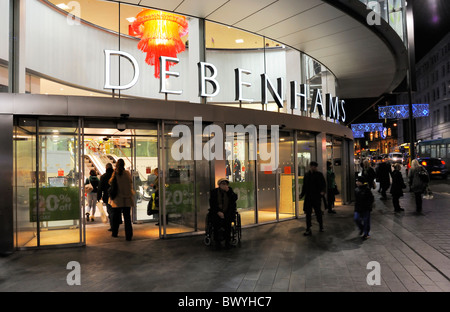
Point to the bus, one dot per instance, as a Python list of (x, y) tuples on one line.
[(438, 148)]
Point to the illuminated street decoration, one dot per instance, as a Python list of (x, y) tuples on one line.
[(402, 111), (160, 34), (359, 129)]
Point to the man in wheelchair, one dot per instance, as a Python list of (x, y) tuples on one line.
[(222, 210)]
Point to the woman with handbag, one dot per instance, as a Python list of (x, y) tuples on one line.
[(92, 184), (122, 202)]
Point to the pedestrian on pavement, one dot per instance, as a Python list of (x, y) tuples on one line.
[(314, 187), (363, 206), (397, 187), (123, 201), (103, 191), (369, 174), (383, 173), (418, 182), (331, 188)]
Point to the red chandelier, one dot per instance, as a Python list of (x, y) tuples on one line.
[(160, 34)]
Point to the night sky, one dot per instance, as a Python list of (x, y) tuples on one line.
[(431, 24)]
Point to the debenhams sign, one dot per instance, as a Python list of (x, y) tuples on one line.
[(298, 92)]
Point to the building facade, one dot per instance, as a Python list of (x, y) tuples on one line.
[(433, 88), (199, 91)]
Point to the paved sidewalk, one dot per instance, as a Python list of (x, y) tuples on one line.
[(413, 253)]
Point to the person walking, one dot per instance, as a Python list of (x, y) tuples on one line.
[(397, 187), (331, 188), (363, 206), (123, 201), (314, 187), (418, 182), (369, 174), (222, 210), (92, 196), (383, 174), (103, 194)]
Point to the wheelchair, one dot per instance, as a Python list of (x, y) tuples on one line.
[(235, 234)]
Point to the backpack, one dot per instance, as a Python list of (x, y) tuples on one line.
[(423, 175)]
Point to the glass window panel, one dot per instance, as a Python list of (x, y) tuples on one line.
[(4, 45), (282, 62), (267, 179), (306, 152), (179, 180), (240, 170), (68, 49), (287, 175), (60, 221), (25, 179), (229, 48)]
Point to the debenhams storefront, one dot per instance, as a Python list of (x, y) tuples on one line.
[(88, 82)]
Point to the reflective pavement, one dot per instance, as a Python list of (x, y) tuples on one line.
[(413, 253)]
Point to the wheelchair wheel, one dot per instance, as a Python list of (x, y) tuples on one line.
[(238, 227), (208, 232)]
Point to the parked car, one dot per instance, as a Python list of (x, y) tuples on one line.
[(434, 166), (396, 158)]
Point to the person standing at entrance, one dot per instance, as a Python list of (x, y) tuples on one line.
[(124, 200), (103, 194), (314, 187), (92, 196), (331, 188)]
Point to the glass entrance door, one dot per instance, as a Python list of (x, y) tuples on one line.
[(104, 144), (47, 188)]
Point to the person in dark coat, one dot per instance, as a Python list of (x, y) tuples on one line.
[(384, 172), (417, 185), (103, 194), (314, 187), (368, 173), (397, 187), (222, 210), (363, 206)]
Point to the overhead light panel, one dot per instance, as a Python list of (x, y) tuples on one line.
[(63, 6), (239, 40)]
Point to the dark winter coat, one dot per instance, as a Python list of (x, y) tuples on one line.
[(215, 204), (363, 199), (104, 185), (397, 183), (384, 172), (370, 175)]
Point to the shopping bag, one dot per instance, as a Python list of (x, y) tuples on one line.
[(102, 212)]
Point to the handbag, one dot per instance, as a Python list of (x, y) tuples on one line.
[(113, 188), (428, 194), (335, 190), (88, 188), (151, 207)]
